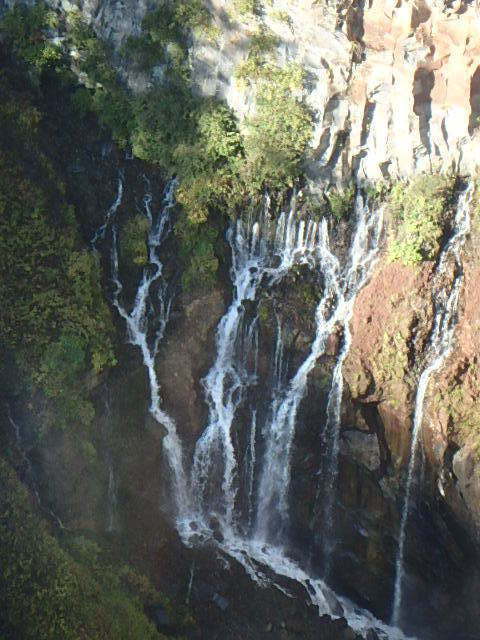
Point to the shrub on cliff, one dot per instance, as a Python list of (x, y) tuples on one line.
[(279, 133), (26, 30), (419, 210)]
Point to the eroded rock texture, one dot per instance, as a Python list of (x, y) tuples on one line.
[(395, 86)]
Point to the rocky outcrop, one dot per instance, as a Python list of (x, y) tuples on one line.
[(394, 86)]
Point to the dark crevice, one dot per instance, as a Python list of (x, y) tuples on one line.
[(354, 22), (423, 84), (374, 422), (420, 13), (368, 112), (474, 102), (448, 456)]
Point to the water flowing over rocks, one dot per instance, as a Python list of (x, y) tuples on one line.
[(260, 491)]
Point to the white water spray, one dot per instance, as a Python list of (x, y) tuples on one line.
[(440, 344), (363, 254), (257, 259), (334, 310)]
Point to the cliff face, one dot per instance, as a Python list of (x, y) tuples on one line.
[(395, 89), (390, 328), (394, 86)]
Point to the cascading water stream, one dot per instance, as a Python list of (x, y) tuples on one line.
[(341, 287), (101, 231), (261, 251), (363, 254), (445, 302), (146, 327), (255, 258)]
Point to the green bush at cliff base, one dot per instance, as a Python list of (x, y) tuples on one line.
[(419, 211), (50, 593)]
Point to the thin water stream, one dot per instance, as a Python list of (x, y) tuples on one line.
[(445, 302)]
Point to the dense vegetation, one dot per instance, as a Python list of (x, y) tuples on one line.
[(54, 315), (420, 210), (53, 593), (220, 168)]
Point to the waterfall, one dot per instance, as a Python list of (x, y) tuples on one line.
[(263, 250), (445, 303), (101, 231), (210, 507), (146, 324), (334, 310), (363, 253)]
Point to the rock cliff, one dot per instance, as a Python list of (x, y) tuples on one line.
[(394, 85)]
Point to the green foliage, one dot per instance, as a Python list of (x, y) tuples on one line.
[(259, 59), (197, 252), (25, 31), (419, 212), (279, 133), (165, 33), (341, 202), (245, 7), (48, 593), (194, 137), (163, 122), (107, 97), (282, 16), (54, 316), (134, 240)]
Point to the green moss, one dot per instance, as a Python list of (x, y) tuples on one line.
[(460, 401), (392, 360)]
